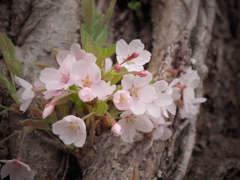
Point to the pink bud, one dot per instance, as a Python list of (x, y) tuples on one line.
[(86, 94), (142, 73), (122, 100), (116, 128), (133, 56), (49, 108), (173, 71), (117, 67), (180, 87)]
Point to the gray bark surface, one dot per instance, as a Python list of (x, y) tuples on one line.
[(204, 147)]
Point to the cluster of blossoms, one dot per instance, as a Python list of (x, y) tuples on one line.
[(146, 105)]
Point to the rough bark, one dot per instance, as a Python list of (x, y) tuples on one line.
[(174, 31)]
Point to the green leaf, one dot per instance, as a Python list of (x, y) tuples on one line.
[(101, 108), (135, 173), (109, 12), (41, 66), (36, 124), (90, 46), (135, 6), (8, 52), (100, 36), (88, 8), (63, 109), (51, 119), (7, 84), (72, 146), (108, 51), (55, 51), (119, 77)]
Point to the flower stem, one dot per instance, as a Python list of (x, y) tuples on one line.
[(92, 132), (20, 151), (87, 115), (9, 137)]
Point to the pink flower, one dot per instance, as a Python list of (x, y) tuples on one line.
[(118, 67), (122, 100), (51, 93), (85, 94), (90, 76), (78, 53), (190, 78), (131, 122), (49, 108), (25, 93), (142, 73), (71, 130), (163, 99), (61, 78), (135, 54), (189, 109), (17, 170), (116, 129), (109, 64), (139, 90), (162, 132)]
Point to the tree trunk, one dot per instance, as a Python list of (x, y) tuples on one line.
[(204, 147)]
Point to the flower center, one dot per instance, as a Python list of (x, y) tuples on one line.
[(17, 165), (134, 91), (87, 82), (122, 98), (73, 127), (64, 77)]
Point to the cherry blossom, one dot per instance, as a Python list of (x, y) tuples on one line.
[(190, 109), (122, 100), (133, 54), (71, 130), (163, 98), (48, 109), (139, 90), (90, 76), (78, 53), (17, 170), (131, 122), (85, 94), (161, 131), (62, 78), (51, 93), (109, 64), (116, 129), (190, 78), (25, 93)]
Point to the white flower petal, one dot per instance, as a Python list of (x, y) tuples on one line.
[(166, 134), (128, 131), (146, 94), (81, 137), (59, 127), (138, 106), (153, 110), (7, 169), (143, 58), (121, 48), (22, 82), (61, 56), (160, 86), (157, 133), (135, 46), (163, 100), (127, 81), (143, 124)]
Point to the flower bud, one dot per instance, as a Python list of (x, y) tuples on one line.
[(117, 67), (86, 94), (49, 108), (142, 73), (173, 71), (180, 87), (133, 56), (116, 129), (122, 100)]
